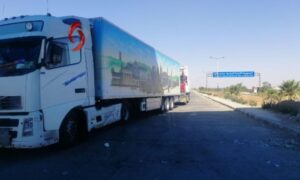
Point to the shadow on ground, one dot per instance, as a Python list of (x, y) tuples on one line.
[(212, 144)]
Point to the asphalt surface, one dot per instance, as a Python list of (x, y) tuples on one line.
[(202, 140)]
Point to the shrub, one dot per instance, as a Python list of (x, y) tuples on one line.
[(236, 89), (227, 96), (234, 98), (267, 105), (286, 107), (252, 103)]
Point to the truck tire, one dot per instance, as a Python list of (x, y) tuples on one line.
[(171, 103), (69, 131), (187, 99), (162, 106), (125, 112), (167, 104)]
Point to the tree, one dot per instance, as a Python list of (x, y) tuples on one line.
[(290, 89), (236, 89), (266, 84), (265, 87), (272, 96)]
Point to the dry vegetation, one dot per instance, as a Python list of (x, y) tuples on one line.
[(243, 98), (286, 100), (257, 99)]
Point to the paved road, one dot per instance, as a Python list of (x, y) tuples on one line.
[(203, 140)]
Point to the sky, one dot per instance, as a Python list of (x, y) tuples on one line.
[(252, 35)]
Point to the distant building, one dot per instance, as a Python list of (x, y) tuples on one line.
[(277, 88), (255, 89)]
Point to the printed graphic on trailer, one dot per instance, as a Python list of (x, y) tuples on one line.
[(132, 64)]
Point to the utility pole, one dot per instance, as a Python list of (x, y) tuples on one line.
[(47, 1), (218, 66), (259, 79), (3, 11), (208, 75), (206, 82)]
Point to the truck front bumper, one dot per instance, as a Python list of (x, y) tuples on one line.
[(25, 131)]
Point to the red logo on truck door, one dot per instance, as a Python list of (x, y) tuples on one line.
[(72, 28)]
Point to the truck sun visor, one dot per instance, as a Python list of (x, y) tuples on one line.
[(70, 21)]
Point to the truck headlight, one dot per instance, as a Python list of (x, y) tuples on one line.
[(28, 127)]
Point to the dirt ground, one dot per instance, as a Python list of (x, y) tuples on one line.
[(249, 97), (253, 97)]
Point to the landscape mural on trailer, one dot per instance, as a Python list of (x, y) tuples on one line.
[(129, 63), (149, 79)]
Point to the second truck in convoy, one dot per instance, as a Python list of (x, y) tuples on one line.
[(61, 77), (184, 85)]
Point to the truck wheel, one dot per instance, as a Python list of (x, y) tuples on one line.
[(162, 106), (187, 99), (171, 103), (69, 132), (167, 104), (125, 112)]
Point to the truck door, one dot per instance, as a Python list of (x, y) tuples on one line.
[(63, 78)]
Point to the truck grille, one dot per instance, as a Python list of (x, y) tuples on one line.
[(9, 122), (10, 102)]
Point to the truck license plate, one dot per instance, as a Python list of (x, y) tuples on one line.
[(4, 137)]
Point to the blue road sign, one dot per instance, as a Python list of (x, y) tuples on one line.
[(242, 74)]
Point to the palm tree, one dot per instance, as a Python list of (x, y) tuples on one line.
[(272, 96), (290, 89)]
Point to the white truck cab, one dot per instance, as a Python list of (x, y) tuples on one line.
[(41, 78), (184, 85)]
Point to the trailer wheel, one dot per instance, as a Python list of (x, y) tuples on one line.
[(69, 132), (167, 104), (187, 99), (162, 106), (125, 112), (171, 103)]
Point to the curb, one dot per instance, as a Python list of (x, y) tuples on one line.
[(255, 117), (267, 122)]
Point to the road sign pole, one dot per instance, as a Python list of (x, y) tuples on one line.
[(206, 82), (218, 69), (259, 79), (218, 66)]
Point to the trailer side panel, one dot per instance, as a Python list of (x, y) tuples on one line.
[(125, 67)]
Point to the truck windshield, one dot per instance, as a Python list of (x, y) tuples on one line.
[(19, 56)]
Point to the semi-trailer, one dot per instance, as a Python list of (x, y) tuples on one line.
[(61, 77)]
